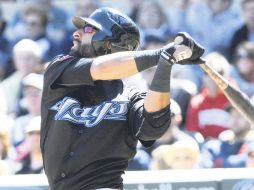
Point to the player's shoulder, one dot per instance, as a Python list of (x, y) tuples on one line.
[(58, 60)]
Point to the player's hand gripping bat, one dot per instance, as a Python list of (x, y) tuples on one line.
[(237, 98)]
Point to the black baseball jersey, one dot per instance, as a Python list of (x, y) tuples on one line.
[(90, 128)]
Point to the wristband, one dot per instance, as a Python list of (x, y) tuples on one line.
[(161, 79), (146, 59)]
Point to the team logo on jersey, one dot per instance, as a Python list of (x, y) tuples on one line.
[(71, 110)]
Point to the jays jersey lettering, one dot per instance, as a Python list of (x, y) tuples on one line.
[(90, 128)]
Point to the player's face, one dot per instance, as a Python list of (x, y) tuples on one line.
[(82, 42)]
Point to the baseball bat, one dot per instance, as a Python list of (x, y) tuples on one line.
[(238, 99)]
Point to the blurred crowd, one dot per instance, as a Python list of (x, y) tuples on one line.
[(205, 132)]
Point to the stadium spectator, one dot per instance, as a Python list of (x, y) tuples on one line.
[(27, 59), (85, 7), (4, 48), (32, 90), (35, 20), (206, 112), (134, 6), (243, 70), (57, 18), (152, 20), (32, 162), (179, 13), (183, 154), (228, 150), (213, 22), (246, 32)]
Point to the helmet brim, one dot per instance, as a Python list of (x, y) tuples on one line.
[(80, 22)]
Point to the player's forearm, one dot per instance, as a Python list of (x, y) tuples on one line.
[(158, 96), (123, 64)]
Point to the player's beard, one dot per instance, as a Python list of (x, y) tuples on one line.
[(83, 50)]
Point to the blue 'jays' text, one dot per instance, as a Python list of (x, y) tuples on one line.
[(71, 110)]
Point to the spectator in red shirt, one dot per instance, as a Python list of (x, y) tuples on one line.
[(206, 112)]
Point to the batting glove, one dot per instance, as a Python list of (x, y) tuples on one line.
[(184, 50)]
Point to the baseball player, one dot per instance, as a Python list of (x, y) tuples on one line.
[(91, 122)]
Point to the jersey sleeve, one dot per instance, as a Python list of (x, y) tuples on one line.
[(76, 73), (147, 127)]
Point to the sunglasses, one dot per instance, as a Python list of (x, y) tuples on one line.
[(89, 29)]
